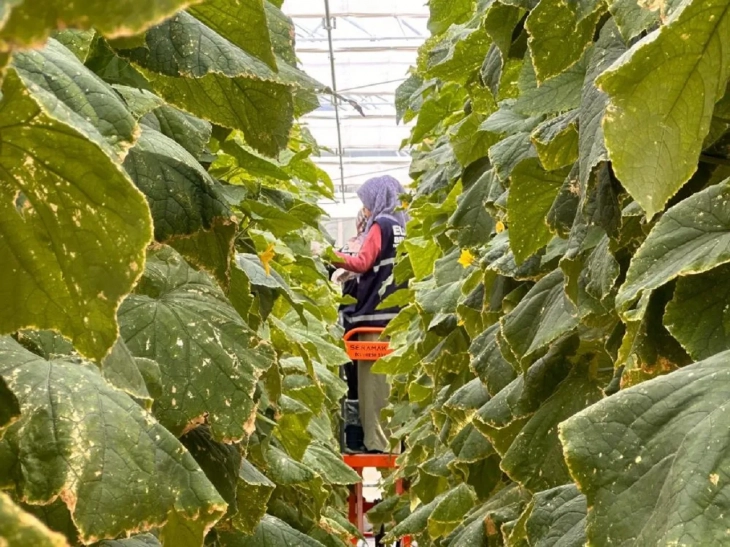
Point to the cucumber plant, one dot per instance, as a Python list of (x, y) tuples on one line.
[(560, 365), (168, 359)]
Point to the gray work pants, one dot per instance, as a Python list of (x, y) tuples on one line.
[(373, 391)]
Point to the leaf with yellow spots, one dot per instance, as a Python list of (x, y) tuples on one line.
[(86, 457), (466, 259), (74, 227), (266, 257), (205, 344)]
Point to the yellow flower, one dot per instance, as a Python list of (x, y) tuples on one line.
[(266, 257), (500, 227), (466, 259), (460, 323)]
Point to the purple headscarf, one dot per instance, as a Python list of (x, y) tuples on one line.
[(381, 196)]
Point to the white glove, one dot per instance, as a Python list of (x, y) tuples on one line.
[(316, 248), (341, 276)]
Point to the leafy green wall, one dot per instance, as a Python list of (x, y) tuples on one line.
[(168, 364), (560, 373)]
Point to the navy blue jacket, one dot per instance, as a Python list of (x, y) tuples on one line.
[(372, 287)]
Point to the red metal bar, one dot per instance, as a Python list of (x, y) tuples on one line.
[(379, 461), (356, 503), (362, 330)]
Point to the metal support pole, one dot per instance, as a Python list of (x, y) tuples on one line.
[(335, 100)]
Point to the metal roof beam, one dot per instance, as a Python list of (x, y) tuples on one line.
[(360, 15)]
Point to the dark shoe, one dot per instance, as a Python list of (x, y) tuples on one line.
[(357, 450), (354, 438)]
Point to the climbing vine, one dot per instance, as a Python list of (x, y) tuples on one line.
[(168, 361), (560, 373)]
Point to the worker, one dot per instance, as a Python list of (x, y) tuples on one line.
[(353, 439), (384, 230)]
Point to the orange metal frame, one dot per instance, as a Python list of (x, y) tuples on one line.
[(365, 351), (356, 502)]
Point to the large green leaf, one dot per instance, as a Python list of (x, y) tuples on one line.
[(284, 470), (424, 253), (198, 70), (532, 193), (242, 22), (96, 448), (73, 226), (692, 237), (633, 18), (559, 34), (509, 120), (651, 459), (556, 141), (505, 414), (254, 490), (248, 160), (654, 144), (535, 459), (600, 272), (557, 517), (558, 94), (460, 52), (488, 362), (543, 315), (27, 23), (483, 525), (591, 146), (79, 42), (449, 511), (329, 465), (698, 316), (188, 131), (500, 21), (510, 152), (182, 196), (92, 102), (404, 94), (435, 109), (18, 528), (210, 250), (282, 33), (220, 462), (465, 401), (468, 142), (126, 373), (271, 532), (210, 361), (444, 13), (318, 344), (417, 521), (471, 221)]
